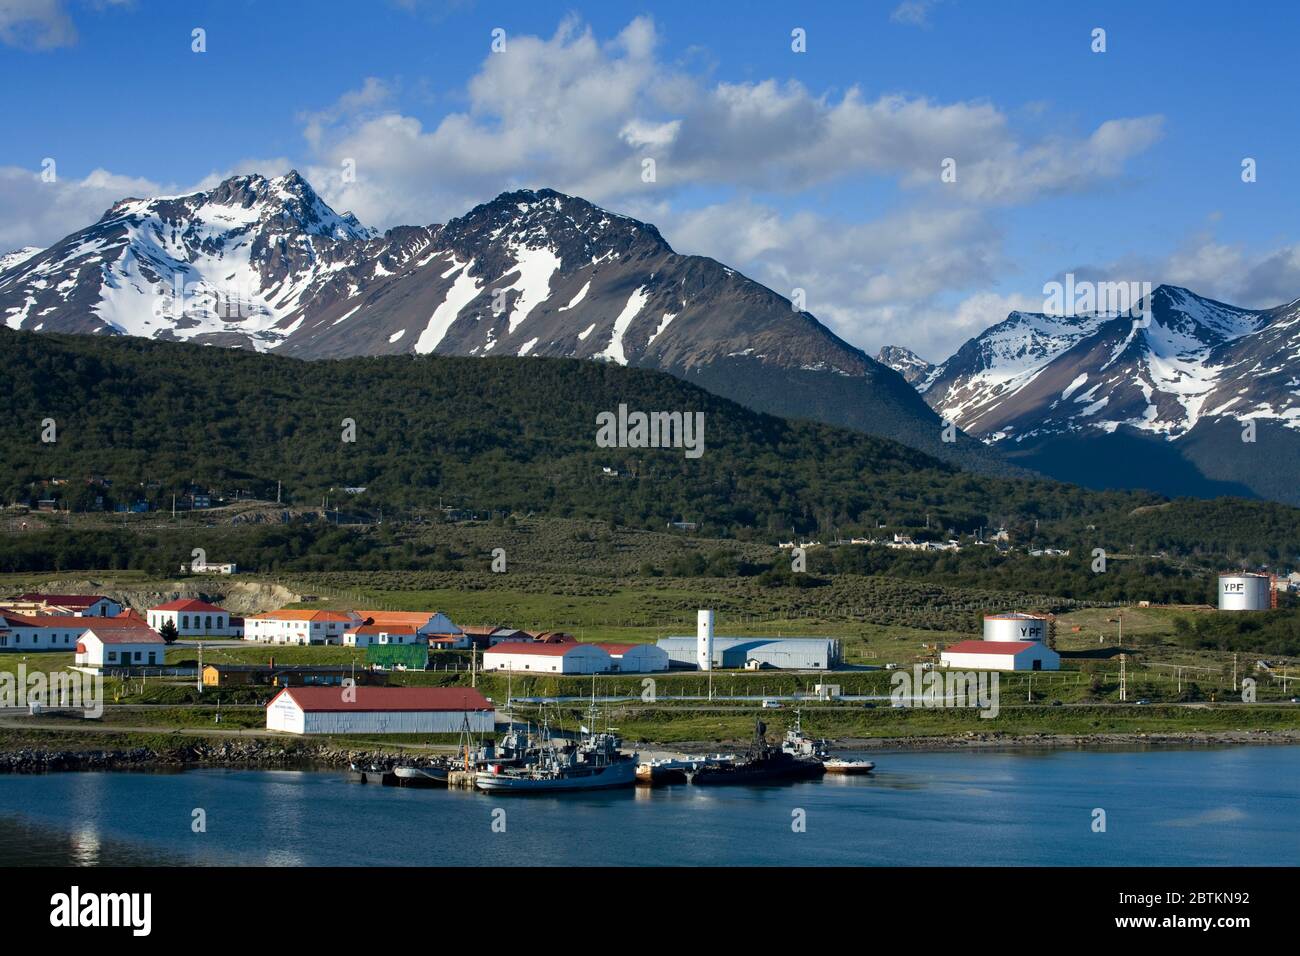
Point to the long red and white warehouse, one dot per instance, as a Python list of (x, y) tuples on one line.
[(379, 710)]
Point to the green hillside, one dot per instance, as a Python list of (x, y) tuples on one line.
[(510, 435)]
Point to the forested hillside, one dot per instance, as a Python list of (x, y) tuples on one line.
[(518, 435)]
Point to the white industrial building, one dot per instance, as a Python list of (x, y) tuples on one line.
[(704, 651), (379, 710), (119, 647), (569, 657), (636, 658), (1016, 627), (1001, 656), (1245, 591), (194, 619)]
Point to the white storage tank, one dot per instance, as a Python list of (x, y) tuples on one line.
[(704, 640), (1245, 591), (1016, 627)]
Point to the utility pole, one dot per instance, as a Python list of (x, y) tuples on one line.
[(1234, 672), (277, 492), (200, 681), (1123, 678)]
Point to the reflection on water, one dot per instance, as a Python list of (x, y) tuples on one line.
[(943, 808), (86, 846)]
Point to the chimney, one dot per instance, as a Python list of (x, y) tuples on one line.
[(704, 640)]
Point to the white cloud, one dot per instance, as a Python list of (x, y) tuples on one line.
[(36, 24), (868, 281), (38, 213), (580, 115), (914, 13)]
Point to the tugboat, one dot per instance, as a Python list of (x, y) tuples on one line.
[(763, 763), (797, 745), (596, 763)]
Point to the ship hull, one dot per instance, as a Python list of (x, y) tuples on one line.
[(849, 767), (741, 775), (421, 776)]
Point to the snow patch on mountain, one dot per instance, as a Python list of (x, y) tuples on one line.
[(463, 291), (18, 256), (615, 351)]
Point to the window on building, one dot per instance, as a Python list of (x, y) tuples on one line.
[(185, 620), (207, 623)]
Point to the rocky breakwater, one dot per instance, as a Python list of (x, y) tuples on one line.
[(238, 753)]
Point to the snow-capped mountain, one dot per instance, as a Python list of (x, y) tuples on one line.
[(10, 259), (266, 264), (915, 370), (222, 267), (1189, 373)]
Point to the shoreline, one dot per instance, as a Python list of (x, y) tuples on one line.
[(305, 754)]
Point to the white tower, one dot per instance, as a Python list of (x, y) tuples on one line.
[(704, 640)]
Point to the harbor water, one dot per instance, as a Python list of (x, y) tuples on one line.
[(1230, 806)]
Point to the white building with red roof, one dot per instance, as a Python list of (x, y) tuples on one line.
[(109, 648), (53, 632), (368, 634), (379, 710), (1001, 656), (194, 618), (301, 627), (569, 657)]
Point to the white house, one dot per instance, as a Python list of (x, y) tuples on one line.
[(301, 627), (1001, 656), (119, 647), (566, 658), (637, 658), (193, 618), (368, 634), (379, 710)]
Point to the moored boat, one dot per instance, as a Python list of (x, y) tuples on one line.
[(372, 774), (844, 766), (763, 763), (431, 775), (595, 763)]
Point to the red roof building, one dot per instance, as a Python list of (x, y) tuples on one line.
[(379, 710)]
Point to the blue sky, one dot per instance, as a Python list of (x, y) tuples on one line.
[(817, 170)]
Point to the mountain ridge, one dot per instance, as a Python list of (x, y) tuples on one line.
[(1073, 395), (265, 264)]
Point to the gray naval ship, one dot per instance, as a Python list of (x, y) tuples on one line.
[(595, 762)]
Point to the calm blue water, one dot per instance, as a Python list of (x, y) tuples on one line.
[(1186, 807)]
